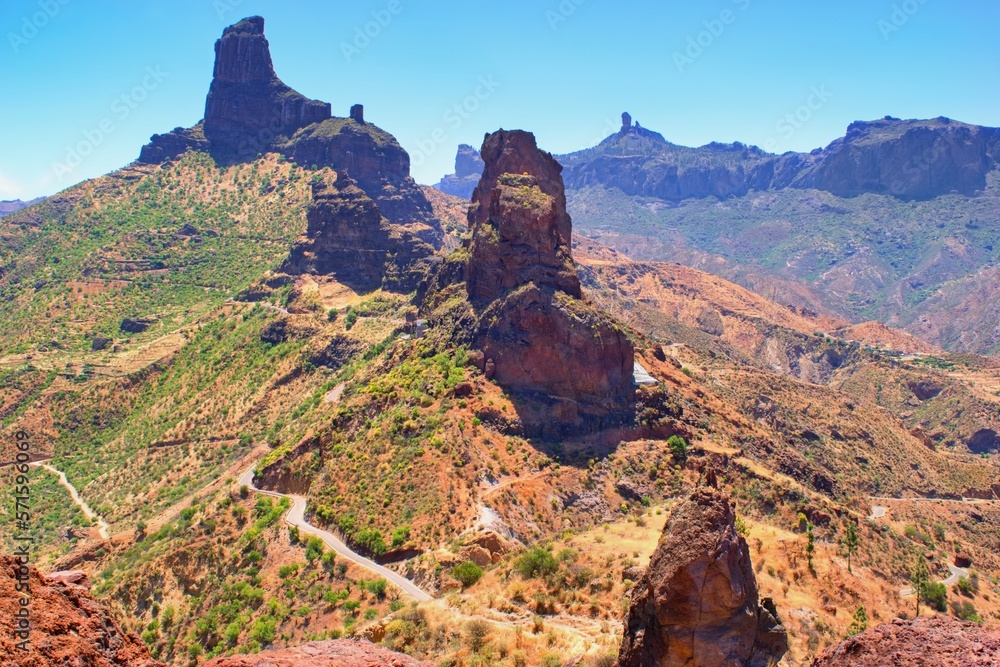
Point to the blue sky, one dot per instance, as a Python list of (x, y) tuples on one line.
[(782, 75)]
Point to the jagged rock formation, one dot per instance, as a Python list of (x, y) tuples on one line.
[(913, 159), (521, 232), (68, 627), (340, 653), (349, 239), (250, 111), (939, 641), (468, 170), (697, 603), (567, 366), (248, 106)]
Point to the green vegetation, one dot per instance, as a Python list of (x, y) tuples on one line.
[(859, 622), (678, 448), (538, 562), (467, 573)]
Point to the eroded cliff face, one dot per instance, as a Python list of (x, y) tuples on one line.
[(697, 604), (513, 293), (68, 627), (350, 240)]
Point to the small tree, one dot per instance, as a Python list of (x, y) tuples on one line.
[(920, 578), (810, 544), (678, 447), (467, 573), (860, 621), (851, 542)]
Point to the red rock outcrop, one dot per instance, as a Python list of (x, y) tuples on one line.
[(697, 604), (924, 642), (567, 366), (348, 238), (340, 653), (68, 627)]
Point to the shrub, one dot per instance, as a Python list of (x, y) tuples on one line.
[(965, 586), (263, 630), (468, 573), (476, 634), (371, 539), (936, 596), (538, 562), (678, 448), (376, 587), (966, 611), (314, 549), (400, 536)]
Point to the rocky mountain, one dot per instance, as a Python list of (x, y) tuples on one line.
[(937, 641), (698, 604), (283, 400), (568, 366), (915, 160), (895, 222), (468, 169), (250, 112), (67, 626)]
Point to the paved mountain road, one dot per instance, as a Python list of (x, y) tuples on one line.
[(296, 517)]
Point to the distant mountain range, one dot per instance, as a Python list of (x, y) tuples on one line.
[(896, 221), (14, 205)]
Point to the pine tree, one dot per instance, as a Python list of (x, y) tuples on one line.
[(810, 544), (851, 542), (920, 578), (860, 621)]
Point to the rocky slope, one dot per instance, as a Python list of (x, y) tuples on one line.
[(697, 603), (68, 627), (322, 654), (569, 366), (349, 239), (468, 169), (250, 111), (924, 642)]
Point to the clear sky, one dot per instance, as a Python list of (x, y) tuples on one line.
[(711, 70)]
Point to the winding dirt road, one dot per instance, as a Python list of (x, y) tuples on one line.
[(296, 517), (102, 525)]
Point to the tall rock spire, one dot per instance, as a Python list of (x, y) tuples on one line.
[(248, 107)]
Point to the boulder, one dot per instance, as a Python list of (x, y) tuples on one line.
[(136, 325), (697, 603)]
